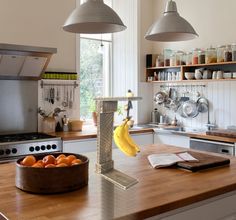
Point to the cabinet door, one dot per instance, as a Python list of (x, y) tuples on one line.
[(171, 139), (143, 139), (80, 146), (140, 139)]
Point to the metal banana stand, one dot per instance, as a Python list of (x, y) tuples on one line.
[(105, 165)]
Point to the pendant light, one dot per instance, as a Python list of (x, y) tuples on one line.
[(171, 27), (93, 17)]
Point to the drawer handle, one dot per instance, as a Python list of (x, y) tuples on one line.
[(225, 151)]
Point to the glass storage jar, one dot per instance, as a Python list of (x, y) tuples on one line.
[(233, 47), (160, 60), (167, 53), (178, 57), (201, 56), (220, 53), (228, 53), (211, 56), (172, 59), (195, 56), (189, 56)]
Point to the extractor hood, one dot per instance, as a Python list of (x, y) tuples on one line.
[(24, 62)]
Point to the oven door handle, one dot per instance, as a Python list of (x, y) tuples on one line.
[(212, 142)]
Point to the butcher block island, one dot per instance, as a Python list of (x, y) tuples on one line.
[(159, 192)]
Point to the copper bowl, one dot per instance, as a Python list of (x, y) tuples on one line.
[(52, 180)]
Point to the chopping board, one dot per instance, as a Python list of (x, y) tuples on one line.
[(205, 161), (222, 133)]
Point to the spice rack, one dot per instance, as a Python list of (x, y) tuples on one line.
[(225, 66)]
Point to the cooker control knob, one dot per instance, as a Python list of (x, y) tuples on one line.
[(1, 152), (31, 149), (8, 151), (54, 146), (37, 148), (49, 147), (43, 147), (14, 150)]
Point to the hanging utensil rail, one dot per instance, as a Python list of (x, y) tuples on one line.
[(186, 85), (65, 83)]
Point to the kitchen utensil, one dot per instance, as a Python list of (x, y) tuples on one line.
[(214, 75), (174, 122), (219, 74), (202, 105), (180, 111), (70, 100), (76, 125), (198, 73), (190, 109), (64, 103), (189, 75), (207, 74), (58, 95), (160, 97), (155, 116)]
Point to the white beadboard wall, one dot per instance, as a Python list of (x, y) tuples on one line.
[(125, 53), (221, 96)]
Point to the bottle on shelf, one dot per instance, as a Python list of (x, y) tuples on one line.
[(233, 46), (172, 59), (201, 56), (220, 53), (160, 60), (211, 55), (189, 57), (178, 58), (228, 53), (195, 56), (167, 53)]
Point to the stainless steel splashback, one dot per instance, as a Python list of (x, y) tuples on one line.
[(24, 62)]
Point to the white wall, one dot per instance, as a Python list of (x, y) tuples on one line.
[(145, 17), (39, 23), (213, 20)]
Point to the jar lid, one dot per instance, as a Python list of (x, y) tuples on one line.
[(220, 46)]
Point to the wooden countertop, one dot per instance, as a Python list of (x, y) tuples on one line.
[(158, 191), (212, 137), (90, 132)]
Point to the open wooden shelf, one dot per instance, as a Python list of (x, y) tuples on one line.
[(227, 66)]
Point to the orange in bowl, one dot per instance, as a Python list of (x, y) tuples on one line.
[(63, 160), (29, 161), (62, 165), (49, 159), (71, 158), (50, 165), (76, 162)]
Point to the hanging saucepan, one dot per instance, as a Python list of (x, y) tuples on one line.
[(180, 111), (160, 97), (190, 109), (202, 105)]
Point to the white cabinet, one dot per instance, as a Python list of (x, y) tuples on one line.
[(80, 146), (171, 139), (89, 145), (143, 139)]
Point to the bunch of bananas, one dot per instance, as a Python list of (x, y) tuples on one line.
[(124, 141)]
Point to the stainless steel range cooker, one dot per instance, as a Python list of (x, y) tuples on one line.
[(12, 146)]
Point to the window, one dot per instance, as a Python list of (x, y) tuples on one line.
[(95, 69)]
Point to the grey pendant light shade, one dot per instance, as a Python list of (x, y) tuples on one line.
[(171, 27), (93, 17)]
